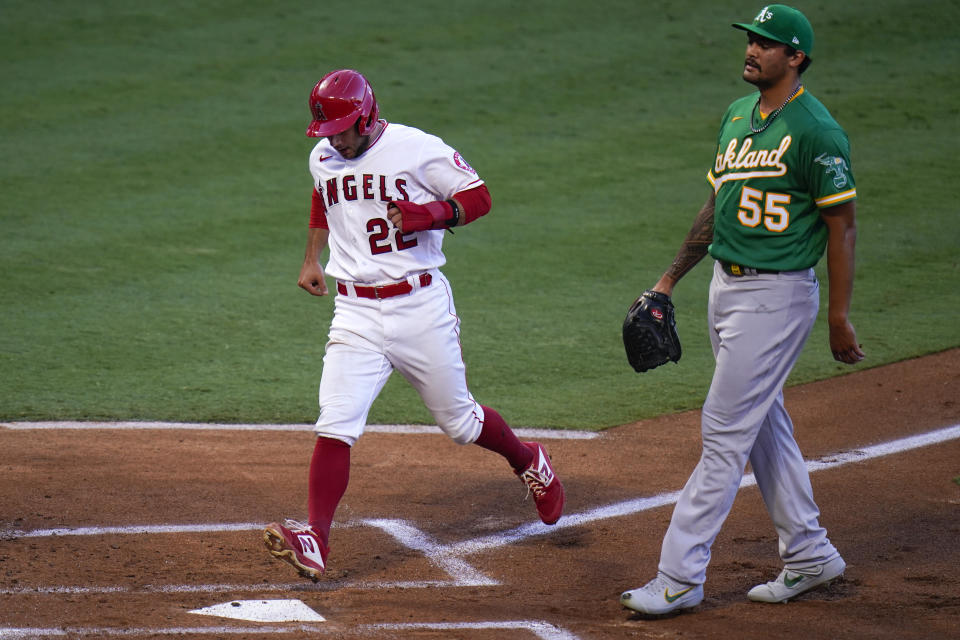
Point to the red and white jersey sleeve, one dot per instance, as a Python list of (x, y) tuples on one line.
[(403, 163)]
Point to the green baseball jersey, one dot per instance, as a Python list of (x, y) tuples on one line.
[(770, 185)]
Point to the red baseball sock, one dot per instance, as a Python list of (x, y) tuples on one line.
[(499, 437), (329, 474)]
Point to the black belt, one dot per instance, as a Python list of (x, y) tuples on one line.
[(738, 270)]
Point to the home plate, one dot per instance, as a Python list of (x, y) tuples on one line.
[(263, 611)]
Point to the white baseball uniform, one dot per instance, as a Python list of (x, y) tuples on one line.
[(415, 332)]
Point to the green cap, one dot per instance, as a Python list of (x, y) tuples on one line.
[(783, 24)]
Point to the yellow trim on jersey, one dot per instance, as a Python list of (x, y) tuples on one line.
[(727, 177), (763, 116), (836, 198)]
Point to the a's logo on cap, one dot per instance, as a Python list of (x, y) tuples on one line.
[(796, 40), (764, 15)]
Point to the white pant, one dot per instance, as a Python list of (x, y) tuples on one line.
[(417, 334), (758, 326)]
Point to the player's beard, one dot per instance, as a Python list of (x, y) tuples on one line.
[(766, 74), (351, 153), (753, 74)]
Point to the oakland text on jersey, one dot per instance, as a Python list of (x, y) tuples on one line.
[(367, 186), (761, 163)]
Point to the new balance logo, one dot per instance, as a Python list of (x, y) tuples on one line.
[(543, 469), (308, 544), (310, 549)]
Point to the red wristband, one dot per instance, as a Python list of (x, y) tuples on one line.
[(421, 217), (474, 202)]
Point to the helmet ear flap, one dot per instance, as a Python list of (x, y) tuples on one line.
[(369, 112)]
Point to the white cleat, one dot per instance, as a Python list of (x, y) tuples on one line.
[(792, 582), (662, 595)]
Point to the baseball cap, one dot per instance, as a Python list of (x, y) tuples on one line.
[(783, 24)]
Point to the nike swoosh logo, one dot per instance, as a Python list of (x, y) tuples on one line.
[(735, 118), (322, 158), (792, 582), (671, 598)]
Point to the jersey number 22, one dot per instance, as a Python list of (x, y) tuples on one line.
[(380, 237)]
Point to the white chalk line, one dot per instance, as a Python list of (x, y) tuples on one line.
[(324, 585), (637, 505), (540, 629), (20, 633), (447, 557), (460, 573), (451, 564), (135, 530), (543, 630), (528, 433)]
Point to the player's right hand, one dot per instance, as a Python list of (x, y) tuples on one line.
[(312, 279), (395, 216), (409, 217)]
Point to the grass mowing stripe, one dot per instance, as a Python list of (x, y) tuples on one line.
[(156, 194)]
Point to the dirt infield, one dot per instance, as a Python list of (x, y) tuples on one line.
[(436, 541)]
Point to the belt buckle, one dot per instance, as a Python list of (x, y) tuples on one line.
[(376, 293), (735, 269)]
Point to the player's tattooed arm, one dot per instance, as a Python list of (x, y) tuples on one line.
[(693, 249)]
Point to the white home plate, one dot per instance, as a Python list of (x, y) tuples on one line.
[(263, 611)]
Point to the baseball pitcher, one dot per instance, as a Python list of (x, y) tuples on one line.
[(782, 192)]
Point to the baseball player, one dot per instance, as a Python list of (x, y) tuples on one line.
[(384, 195), (782, 191)]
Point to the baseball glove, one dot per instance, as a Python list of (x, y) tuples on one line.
[(650, 332)]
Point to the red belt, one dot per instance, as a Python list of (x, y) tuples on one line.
[(385, 291)]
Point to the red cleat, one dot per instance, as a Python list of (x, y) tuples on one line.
[(297, 544), (544, 484)]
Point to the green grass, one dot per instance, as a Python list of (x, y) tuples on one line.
[(155, 194)]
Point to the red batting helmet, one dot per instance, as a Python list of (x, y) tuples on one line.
[(340, 99)]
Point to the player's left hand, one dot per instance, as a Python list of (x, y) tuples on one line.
[(650, 332), (844, 345)]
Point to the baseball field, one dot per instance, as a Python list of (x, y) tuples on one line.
[(159, 365)]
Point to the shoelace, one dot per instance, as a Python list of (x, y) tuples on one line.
[(655, 587), (534, 482), (297, 526), (660, 585)]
